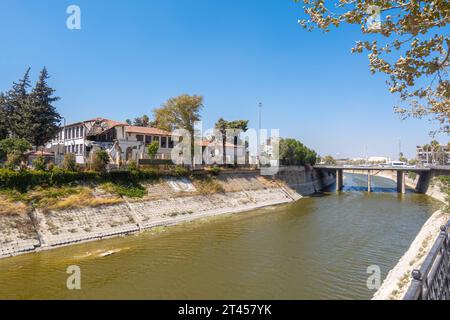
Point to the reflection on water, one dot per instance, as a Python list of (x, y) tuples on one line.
[(358, 182), (316, 248)]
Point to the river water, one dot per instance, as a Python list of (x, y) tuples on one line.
[(317, 248)]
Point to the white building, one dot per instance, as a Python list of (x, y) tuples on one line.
[(122, 141), (437, 155)]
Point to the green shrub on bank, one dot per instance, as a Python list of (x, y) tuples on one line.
[(180, 171), (215, 170), (100, 160), (27, 179), (39, 163), (69, 162), (132, 190)]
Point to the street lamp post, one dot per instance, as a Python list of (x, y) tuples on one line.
[(258, 162), (62, 138)]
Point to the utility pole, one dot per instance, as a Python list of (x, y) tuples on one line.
[(260, 113), (259, 135), (367, 154)]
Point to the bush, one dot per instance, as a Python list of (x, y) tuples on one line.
[(39, 163), (50, 166), (130, 190), (152, 149), (133, 166), (99, 161), (180, 171), (13, 159), (69, 162), (10, 145), (215, 170), (27, 179)]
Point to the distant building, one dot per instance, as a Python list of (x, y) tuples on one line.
[(30, 156), (341, 161), (439, 155), (232, 152), (378, 159)]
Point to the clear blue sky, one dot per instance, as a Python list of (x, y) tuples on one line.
[(130, 56)]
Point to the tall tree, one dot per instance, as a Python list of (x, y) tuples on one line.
[(427, 149), (42, 118), (143, 121), (293, 152), (179, 113), (17, 102), (4, 123), (406, 40), (223, 125), (436, 150)]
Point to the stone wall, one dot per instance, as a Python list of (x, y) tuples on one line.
[(305, 181), (168, 202)]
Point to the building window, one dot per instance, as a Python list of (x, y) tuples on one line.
[(77, 132), (170, 143), (148, 139), (155, 138), (163, 142), (81, 131), (139, 137)]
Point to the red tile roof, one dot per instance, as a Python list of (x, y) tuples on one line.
[(146, 130), (39, 153), (110, 123)]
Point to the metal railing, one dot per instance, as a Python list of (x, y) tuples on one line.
[(432, 280)]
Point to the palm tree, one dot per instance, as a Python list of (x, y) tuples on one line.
[(435, 147), (427, 149)]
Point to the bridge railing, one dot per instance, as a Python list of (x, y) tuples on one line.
[(432, 280)]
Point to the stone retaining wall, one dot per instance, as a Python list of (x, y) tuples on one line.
[(168, 202)]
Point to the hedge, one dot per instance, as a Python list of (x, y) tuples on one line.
[(26, 179)]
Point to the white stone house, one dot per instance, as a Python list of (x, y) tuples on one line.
[(122, 141), (214, 151)]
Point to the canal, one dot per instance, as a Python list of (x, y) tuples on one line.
[(317, 248)]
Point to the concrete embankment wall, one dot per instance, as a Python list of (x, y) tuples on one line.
[(399, 279), (169, 202), (305, 181)]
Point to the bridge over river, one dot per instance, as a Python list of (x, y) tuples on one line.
[(425, 175)]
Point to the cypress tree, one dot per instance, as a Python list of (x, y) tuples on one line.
[(42, 118), (16, 106), (4, 123)]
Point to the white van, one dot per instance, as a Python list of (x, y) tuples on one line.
[(398, 164)]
